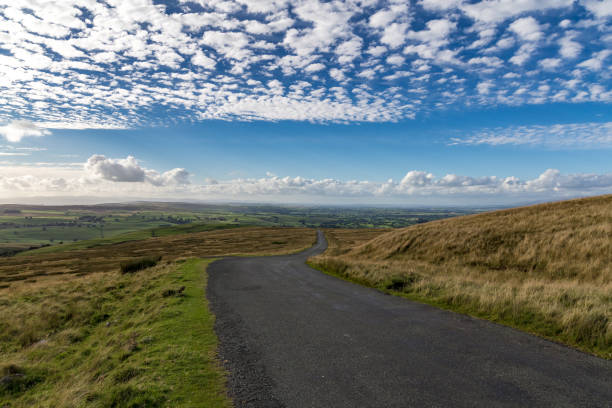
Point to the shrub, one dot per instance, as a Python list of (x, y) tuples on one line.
[(15, 379), (400, 283), (139, 264)]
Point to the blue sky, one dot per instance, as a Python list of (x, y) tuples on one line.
[(421, 102)]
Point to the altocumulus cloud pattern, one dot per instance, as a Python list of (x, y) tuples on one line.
[(126, 63)]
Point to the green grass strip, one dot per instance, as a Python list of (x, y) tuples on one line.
[(184, 355), (138, 340)]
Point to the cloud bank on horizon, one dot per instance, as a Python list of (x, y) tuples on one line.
[(127, 63), (126, 178)]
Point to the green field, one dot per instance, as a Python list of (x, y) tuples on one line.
[(114, 342)]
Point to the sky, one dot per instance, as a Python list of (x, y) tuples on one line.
[(423, 102)]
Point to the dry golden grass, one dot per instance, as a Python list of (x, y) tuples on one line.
[(341, 241), (544, 268), (239, 241)]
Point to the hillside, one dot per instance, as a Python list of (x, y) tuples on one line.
[(545, 268), (569, 239)]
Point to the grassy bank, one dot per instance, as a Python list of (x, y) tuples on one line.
[(142, 339), (546, 269)]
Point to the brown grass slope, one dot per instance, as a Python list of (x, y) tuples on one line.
[(545, 268), (239, 241)]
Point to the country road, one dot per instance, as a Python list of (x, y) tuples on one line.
[(292, 336)]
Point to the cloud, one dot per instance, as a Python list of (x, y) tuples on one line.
[(119, 170), (440, 5), (14, 154), (203, 61), (314, 67), (494, 11), (394, 34), (417, 178), (129, 170), (395, 59), (18, 129), (484, 87), (416, 183), (600, 8), (416, 186), (527, 28), (80, 125), (596, 62), (550, 63), (523, 54), (117, 64), (436, 32), (349, 50), (171, 177), (568, 47), (572, 135)]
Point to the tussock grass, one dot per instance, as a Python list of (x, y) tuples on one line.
[(139, 264), (546, 269)]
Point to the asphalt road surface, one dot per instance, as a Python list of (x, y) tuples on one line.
[(294, 337)]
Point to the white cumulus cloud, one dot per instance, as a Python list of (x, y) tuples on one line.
[(129, 170), (125, 178), (15, 131)]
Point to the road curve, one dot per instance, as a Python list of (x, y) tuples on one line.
[(294, 337)]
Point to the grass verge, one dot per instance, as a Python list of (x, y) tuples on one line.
[(112, 340), (575, 315), (545, 269)]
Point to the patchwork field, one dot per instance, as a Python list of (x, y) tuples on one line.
[(546, 269), (59, 227)]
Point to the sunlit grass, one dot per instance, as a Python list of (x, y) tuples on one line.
[(109, 339)]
